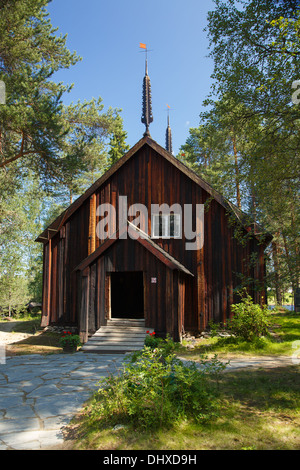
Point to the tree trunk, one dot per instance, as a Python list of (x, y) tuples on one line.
[(289, 264), (278, 290), (237, 173), (9, 304)]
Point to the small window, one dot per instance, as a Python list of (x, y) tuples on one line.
[(166, 226)]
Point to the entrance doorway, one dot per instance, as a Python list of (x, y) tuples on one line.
[(127, 294)]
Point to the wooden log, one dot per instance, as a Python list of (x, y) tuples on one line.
[(61, 280), (92, 224), (107, 296), (49, 279), (46, 294), (92, 300), (83, 322)]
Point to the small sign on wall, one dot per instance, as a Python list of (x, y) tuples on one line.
[(153, 280)]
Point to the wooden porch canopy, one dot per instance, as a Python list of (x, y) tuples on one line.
[(86, 270), (142, 238)]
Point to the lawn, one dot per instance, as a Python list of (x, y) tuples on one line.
[(38, 340), (257, 409), (284, 332)]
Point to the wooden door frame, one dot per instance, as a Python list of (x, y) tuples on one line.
[(145, 296), (107, 290)]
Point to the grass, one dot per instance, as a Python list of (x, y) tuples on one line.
[(259, 411), (39, 341), (284, 331)]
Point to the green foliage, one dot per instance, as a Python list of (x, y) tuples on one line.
[(215, 328), (117, 143), (166, 345), (250, 321), (69, 340), (259, 410), (84, 150), (247, 143), (31, 128), (59, 143), (20, 258), (49, 153), (155, 390)]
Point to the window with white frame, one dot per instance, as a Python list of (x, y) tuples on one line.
[(166, 226)]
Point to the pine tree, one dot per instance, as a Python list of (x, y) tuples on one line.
[(31, 128), (255, 47), (49, 152), (117, 143)]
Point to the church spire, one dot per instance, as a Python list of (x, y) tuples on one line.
[(168, 134), (147, 116)]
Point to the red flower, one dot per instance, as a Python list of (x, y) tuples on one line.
[(147, 331)]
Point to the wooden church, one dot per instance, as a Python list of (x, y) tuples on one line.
[(146, 271)]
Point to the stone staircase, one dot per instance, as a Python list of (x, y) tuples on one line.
[(120, 335)]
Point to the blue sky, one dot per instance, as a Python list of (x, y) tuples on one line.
[(107, 33)]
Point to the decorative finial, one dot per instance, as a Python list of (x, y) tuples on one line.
[(147, 117), (168, 134)]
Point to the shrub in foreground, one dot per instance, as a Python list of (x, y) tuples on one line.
[(156, 390), (250, 321)]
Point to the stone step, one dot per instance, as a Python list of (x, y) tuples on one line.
[(117, 339), (105, 349), (104, 330), (125, 330), (127, 344), (105, 339), (126, 323), (128, 320), (99, 338), (120, 335)]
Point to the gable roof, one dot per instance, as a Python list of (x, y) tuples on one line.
[(57, 224), (142, 238)]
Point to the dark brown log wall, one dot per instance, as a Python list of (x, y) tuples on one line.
[(148, 178)]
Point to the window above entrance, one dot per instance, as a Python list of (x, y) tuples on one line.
[(166, 226)]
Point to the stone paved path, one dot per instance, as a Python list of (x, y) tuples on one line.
[(263, 362), (40, 394)]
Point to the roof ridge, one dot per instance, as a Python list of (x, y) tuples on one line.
[(63, 217)]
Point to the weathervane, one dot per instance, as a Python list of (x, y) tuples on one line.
[(147, 116)]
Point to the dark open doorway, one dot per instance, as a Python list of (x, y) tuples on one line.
[(127, 295)]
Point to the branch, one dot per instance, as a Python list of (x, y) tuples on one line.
[(19, 155)]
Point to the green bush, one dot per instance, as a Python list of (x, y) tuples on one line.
[(250, 321), (69, 340), (152, 341), (167, 345), (216, 328), (156, 390)]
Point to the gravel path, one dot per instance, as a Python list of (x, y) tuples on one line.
[(9, 337)]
